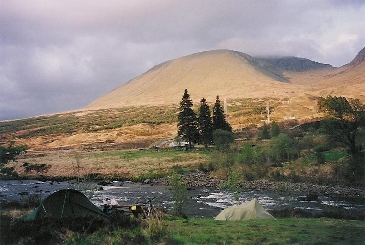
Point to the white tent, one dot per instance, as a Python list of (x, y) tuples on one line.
[(245, 211)]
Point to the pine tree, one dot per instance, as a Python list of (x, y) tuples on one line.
[(188, 122), (205, 123), (219, 118)]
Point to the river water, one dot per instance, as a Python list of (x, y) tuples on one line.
[(203, 202)]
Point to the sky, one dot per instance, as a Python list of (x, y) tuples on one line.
[(60, 55)]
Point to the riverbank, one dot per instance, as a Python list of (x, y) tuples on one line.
[(198, 179)]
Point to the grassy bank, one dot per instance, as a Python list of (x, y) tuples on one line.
[(190, 231), (279, 231)]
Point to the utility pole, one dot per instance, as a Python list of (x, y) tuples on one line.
[(268, 111), (225, 107)]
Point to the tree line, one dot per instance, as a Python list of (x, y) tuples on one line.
[(204, 127)]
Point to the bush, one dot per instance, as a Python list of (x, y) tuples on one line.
[(179, 193), (222, 139), (252, 155), (320, 158), (233, 182), (321, 148), (264, 134), (283, 148)]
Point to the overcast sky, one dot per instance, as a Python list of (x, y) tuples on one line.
[(59, 55)]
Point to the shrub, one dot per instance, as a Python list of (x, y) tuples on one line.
[(233, 182), (222, 139), (320, 158), (179, 193), (283, 148), (265, 134)]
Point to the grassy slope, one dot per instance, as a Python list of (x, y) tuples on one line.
[(131, 127)]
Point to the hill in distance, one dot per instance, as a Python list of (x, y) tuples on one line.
[(232, 75)]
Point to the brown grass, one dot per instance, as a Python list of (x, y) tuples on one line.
[(72, 163)]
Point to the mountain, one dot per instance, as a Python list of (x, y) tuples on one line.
[(359, 59), (348, 80), (229, 74), (294, 64)]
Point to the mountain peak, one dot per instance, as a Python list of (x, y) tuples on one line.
[(360, 58), (229, 74)]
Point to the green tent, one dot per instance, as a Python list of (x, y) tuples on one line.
[(245, 211), (66, 203)]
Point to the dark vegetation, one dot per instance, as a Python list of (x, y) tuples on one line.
[(295, 155), (10, 153), (56, 230), (205, 128)]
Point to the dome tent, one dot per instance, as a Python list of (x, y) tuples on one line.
[(245, 211), (66, 203)]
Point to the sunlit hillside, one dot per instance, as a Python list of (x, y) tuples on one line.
[(234, 75)]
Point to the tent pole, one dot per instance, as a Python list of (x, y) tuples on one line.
[(64, 202)]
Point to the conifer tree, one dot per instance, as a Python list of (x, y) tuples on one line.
[(188, 122), (205, 123), (219, 118)]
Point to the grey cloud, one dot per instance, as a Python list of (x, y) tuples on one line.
[(60, 55)]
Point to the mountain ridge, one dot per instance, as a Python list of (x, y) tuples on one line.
[(205, 74), (228, 73)]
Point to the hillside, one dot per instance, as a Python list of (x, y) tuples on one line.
[(143, 111), (207, 74), (235, 75)]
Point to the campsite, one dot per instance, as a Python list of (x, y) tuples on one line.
[(201, 224), (174, 230), (182, 122)]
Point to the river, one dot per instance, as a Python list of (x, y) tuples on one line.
[(202, 202)]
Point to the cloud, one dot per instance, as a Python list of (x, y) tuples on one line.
[(59, 55)]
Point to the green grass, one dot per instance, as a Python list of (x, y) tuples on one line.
[(208, 231), (133, 155), (173, 231), (332, 156), (329, 156), (279, 231)]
